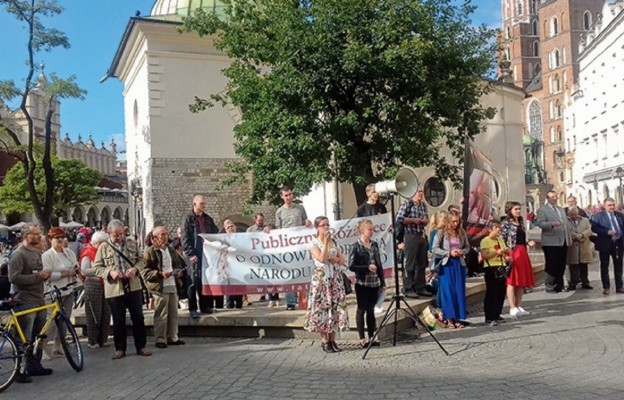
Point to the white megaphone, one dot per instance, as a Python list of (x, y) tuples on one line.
[(405, 183)]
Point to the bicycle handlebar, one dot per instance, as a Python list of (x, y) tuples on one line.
[(56, 289)]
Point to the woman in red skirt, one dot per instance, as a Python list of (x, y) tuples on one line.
[(521, 276)]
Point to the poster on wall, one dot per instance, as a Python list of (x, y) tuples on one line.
[(480, 192), (279, 261)]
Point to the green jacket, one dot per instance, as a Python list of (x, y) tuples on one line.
[(154, 266)]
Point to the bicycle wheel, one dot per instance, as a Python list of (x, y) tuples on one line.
[(9, 361), (70, 342)]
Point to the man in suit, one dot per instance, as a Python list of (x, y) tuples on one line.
[(555, 240), (607, 225)]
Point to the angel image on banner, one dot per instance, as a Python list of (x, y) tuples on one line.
[(218, 263)]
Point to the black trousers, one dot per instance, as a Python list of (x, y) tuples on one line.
[(133, 302), (555, 259), (415, 262), (495, 290), (366, 297), (578, 274), (615, 252), (195, 291)]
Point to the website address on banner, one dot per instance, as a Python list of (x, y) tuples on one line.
[(218, 290)]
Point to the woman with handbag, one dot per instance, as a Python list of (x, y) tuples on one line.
[(365, 261), (496, 260), (451, 245), (327, 308), (521, 276)]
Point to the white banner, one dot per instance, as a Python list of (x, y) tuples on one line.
[(279, 261)]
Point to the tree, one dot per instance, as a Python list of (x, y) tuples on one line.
[(74, 185), (40, 39), (348, 87)]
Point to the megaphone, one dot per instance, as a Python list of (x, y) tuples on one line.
[(405, 183)]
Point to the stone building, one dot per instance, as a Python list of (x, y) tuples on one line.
[(173, 153), (594, 118), (540, 45), (113, 195)]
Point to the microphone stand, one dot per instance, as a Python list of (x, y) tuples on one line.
[(397, 299)]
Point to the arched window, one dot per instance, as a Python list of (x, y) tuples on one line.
[(536, 48), (531, 73), (559, 135), (507, 32), (551, 110), (534, 28), (533, 7), (554, 26), (558, 110), (565, 78), (587, 20), (551, 132), (508, 54), (557, 86), (535, 120), (550, 85), (520, 7), (564, 56), (555, 58)]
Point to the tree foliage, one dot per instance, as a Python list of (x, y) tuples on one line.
[(74, 185), (374, 83), (39, 39)]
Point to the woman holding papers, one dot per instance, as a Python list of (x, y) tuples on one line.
[(365, 261)]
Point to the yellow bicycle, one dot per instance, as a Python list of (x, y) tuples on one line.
[(12, 336)]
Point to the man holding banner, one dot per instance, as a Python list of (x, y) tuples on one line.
[(289, 215)]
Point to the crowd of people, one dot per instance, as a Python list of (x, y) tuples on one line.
[(119, 277)]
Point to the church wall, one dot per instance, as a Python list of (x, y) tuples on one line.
[(205, 134)]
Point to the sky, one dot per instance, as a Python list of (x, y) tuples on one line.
[(94, 29)]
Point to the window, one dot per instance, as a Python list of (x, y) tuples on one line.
[(553, 59), (554, 26), (550, 85), (533, 6), (536, 48), (520, 8), (587, 20), (559, 135), (435, 192), (535, 120), (531, 74), (507, 33), (561, 176), (558, 110), (563, 52), (557, 86), (551, 110), (534, 28), (552, 134), (508, 54), (565, 79)]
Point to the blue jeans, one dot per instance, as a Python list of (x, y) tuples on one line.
[(31, 325), (291, 299)]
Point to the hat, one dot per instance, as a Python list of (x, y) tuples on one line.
[(81, 236)]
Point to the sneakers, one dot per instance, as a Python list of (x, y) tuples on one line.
[(514, 312), (379, 310), (491, 322), (194, 314), (273, 303), (523, 312), (93, 346), (291, 307)]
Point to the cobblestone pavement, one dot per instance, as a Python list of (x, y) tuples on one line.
[(570, 347)]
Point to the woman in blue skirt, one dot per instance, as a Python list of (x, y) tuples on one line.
[(452, 245)]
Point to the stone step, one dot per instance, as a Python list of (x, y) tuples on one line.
[(258, 320)]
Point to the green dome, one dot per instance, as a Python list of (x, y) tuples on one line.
[(527, 140), (176, 9)]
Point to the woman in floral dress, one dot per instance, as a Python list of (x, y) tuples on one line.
[(327, 309)]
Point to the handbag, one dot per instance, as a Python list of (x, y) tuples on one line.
[(347, 283), (501, 272)]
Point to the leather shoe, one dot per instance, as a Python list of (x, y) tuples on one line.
[(23, 378), (588, 286), (620, 290), (176, 343), (42, 372), (118, 354), (605, 291), (144, 352), (424, 293), (161, 345), (327, 347)]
